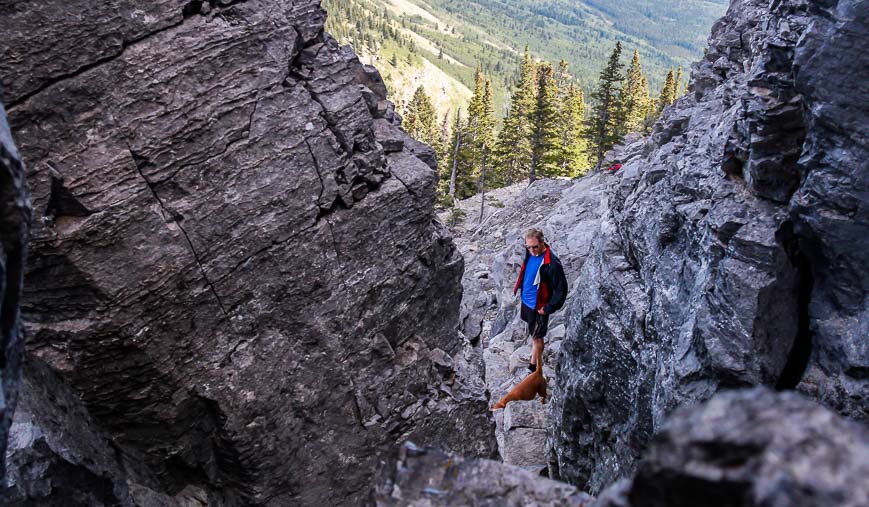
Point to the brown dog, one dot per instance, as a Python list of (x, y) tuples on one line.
[(530, 386)]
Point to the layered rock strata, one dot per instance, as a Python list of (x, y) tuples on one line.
[(15, 212), (729, 253), (236, 252)]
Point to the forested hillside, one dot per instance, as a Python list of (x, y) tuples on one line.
[(511, 89), (457, 35)]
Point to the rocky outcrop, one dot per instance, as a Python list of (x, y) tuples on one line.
[(751, 448), (236, 250), (428, 477), (58, 456), (729, 251), (14, 230), (830, 210)]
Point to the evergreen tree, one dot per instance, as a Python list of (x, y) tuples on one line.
[(545, 139), (574, 156), (602, 126), (394, 60), (455, 151), (562, 80), (668, 93), (443, 148), (486, 142), (634, 98), (679, 89), (514, 142), (420, 120), (478, 136)]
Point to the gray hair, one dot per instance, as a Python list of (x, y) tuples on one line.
[(535, 233)]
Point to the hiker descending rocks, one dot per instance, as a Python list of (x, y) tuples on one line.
[(543, 288)]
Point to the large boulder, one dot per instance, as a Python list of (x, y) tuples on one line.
[(426, 477), (14, 230), (730, 250), (751, 448), (236, 250)]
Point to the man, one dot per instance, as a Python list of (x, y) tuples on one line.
[(543, 286)]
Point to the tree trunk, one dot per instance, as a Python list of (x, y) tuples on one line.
[(455, 162), (483, 187)]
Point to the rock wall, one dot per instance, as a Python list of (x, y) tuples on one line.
[(830, 210), (236, 251), (15, 212), (730, 250)]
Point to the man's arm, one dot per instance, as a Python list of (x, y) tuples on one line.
[(559, 288)]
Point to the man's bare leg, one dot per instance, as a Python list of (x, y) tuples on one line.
[(536, 346)]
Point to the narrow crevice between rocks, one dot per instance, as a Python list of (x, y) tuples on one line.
[(15, 223), (798, 359), (409, 190), (141, 162), (320, 177)]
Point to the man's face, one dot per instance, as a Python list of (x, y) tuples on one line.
[(534, 246)]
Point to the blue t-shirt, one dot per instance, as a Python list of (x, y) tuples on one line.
[(529, 290)]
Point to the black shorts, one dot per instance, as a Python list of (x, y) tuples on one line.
[(537, 324)]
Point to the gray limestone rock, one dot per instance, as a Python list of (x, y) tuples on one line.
[(730, 248), (525, 414), (751, 448), (831, 208), (57, 456), (236, 250), (15, 210), (428, 477)]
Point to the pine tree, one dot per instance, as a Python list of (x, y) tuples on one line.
[(486, 142), (562, 80), (420, 118), (443, 147), (545, 139), (634, 99), (513, 150), (456, 147), (668, 93), (394, 60), (679, 89), (574, 156), (478, 136), (602, 126)]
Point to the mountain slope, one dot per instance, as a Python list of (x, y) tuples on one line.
[(457, 35)]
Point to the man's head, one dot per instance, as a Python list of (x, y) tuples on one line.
[(534, 241)]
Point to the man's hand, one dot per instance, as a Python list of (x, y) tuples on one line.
[(541, 312)]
